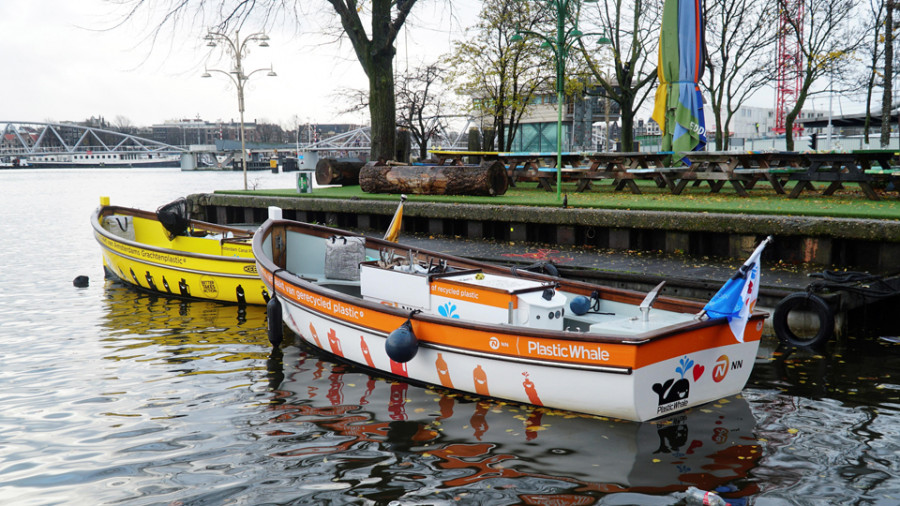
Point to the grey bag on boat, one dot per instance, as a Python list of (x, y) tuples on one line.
[(120, 225), (343, 256)]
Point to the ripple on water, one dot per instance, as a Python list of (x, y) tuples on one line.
[(110, 396)]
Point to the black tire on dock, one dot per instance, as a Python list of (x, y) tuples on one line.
[(274, 322), (810, 302)]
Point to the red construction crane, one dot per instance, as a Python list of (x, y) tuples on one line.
[(789, 62)]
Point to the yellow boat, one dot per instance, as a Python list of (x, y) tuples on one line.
[(169, 254)]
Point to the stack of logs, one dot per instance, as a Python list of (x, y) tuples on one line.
[(488, 179), (343, 171)]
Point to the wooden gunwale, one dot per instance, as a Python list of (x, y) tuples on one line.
[(110, 210)]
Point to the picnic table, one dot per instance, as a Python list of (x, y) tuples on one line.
[(537, 166), (741, 169), (836, 169), (623, 168), (884, 171), (447, 157), (867, 158)]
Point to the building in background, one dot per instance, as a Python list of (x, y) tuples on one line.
[(584, 122)]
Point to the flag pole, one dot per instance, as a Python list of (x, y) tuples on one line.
[(394, 228)]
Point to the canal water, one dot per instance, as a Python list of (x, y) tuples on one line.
[(108, 396)]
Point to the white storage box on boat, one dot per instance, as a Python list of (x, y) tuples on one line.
[(489, 298), (393, 287), (537, 312)]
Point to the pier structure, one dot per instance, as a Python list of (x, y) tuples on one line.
[(861, 244), (690, 251)]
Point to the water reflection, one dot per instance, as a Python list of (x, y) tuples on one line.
[(182, 330), (841, 370), (829, 415), (419, 443)]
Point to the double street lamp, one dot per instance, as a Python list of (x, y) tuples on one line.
[(560, 45), (238, 50)]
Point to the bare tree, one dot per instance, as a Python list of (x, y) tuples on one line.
[(875, 22), (887, 98), (830, 36), (373, 44), (269, 132), (740, 38), (123, 125), (633, 31), (420, 102), (501, 76)]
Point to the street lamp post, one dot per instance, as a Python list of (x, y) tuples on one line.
[(238, 49), (560, 45)]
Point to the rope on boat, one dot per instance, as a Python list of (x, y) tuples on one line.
[(860, 283)]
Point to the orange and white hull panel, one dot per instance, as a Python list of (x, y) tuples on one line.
[(628, 380)]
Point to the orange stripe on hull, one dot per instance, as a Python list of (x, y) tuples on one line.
[(560, 350)]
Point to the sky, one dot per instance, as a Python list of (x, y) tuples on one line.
[(70, 60), (65, 60)]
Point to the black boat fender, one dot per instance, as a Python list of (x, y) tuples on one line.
[(401, 344), (812, 302), (274, 322)]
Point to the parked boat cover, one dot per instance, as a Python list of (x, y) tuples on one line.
[(175, 217)]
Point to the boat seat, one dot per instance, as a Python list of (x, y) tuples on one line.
[(322, 280), (582, 323), (331, 281)]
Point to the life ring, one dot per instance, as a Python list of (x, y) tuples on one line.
[(273, 319), (814, 303)]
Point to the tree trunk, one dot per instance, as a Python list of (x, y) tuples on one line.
[(382, 109), (489, 178), (344, 171), (887, 97), (789, 125), (402, 146), (626, 135), (474, 144)]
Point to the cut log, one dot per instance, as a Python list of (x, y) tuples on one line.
[(489, 178), (343, 171)]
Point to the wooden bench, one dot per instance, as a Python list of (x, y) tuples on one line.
[(547, 176)]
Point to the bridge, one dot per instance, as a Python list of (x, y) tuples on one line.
[(25, 138), (360, 138)]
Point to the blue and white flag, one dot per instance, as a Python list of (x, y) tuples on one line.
[(737, 298)]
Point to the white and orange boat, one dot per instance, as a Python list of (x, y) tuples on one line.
[(492, 331)]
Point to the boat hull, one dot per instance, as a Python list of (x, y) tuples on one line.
[(639, 378), (639, 394), (185, 267), (149, 164)]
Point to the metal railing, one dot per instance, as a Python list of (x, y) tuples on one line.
[(24, 138)]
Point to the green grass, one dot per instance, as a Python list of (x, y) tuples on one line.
[(847, 203)]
